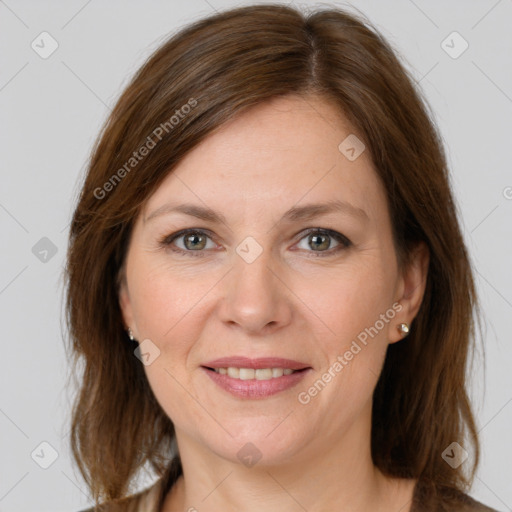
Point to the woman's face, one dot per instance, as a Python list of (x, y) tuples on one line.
[(265, 283)]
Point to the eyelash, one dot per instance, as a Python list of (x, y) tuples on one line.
[(344, 242)]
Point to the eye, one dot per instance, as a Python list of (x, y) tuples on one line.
[(320, 240), (193, 241)]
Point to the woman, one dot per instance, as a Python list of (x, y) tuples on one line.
[(267, 282)]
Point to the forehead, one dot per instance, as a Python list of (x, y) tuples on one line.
[(271, 157)]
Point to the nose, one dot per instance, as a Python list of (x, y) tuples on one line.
[(256, 299)]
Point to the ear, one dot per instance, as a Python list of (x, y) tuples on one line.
[(411, 288), (125, 303)]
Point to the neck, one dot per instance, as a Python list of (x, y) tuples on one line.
[(325, 475)]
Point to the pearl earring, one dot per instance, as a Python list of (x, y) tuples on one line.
[(403, 329), (130, 334)]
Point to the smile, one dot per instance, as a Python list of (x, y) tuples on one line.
[(251, 373), (253, 383)]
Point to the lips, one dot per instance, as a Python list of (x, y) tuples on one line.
[(259, 363), (254, 389)]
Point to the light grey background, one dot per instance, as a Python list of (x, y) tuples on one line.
[(51, 111)]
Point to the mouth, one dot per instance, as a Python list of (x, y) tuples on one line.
[(261, 363), (254, 373), (255, 383)]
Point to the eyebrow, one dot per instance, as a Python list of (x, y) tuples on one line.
[(297, 213)]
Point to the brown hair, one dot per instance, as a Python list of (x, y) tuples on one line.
[(219, 67)]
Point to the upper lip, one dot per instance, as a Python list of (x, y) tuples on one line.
[(262, 362)]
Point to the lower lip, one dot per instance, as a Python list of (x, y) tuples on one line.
[(254, 388)]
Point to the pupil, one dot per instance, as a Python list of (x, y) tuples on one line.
[(191, 238), (317, 237)]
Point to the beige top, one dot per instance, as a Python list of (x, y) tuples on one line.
[(424, 499)]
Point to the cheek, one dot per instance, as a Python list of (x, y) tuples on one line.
[(170, 309), (357, 307), (166, 305), (337, 303), (163, 296), (347, 301)]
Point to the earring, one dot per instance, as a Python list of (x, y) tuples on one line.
[(403, 329), (130, 334)]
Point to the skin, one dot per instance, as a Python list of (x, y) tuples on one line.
[(286, 303)]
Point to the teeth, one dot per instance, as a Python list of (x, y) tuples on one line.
[(251, 373), (233, 372)]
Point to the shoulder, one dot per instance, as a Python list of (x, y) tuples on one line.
[(429, 498), (148, 500), (143, 501), (465, 503)]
